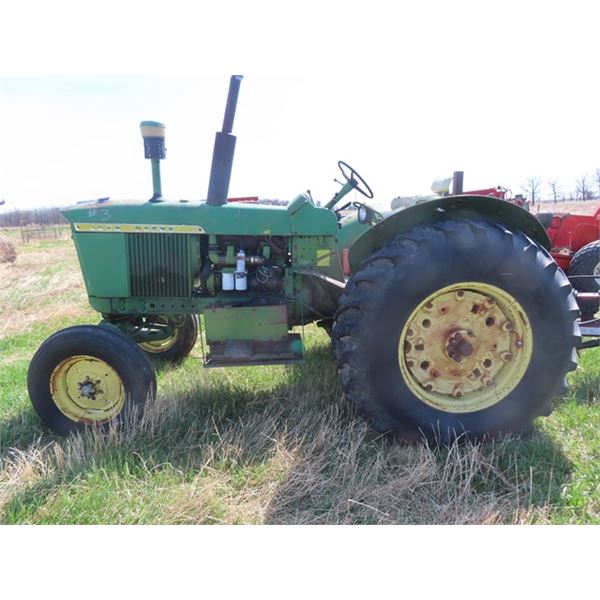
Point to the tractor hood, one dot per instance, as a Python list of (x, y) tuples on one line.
[(193, 216)]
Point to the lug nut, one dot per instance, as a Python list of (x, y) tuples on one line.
[(506, 356), (476, 373), (487, 381), (507, 326)]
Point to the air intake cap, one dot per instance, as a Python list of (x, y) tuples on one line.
[(154, 139)]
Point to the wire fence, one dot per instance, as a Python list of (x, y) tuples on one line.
[(44, 232)]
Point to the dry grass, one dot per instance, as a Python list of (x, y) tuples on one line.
[(577, 207), (8, 252), (286, 465), (43, 284)]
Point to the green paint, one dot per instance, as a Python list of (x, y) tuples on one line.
[(261, 323), (235, 218), (349, 231), (160, 272), (103, 260), (346, 189), (155, 273), (156, 185)]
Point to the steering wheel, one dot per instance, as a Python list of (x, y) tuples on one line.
[(360, 185)]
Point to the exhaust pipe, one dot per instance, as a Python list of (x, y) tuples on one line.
[(222, 160), (457, 183)]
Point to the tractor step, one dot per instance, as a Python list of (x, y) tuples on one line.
[(245, 353)]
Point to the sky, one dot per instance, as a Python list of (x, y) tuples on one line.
[(405, 92)]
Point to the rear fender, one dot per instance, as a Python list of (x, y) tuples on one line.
[(479, 208)]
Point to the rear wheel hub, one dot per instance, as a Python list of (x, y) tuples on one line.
[(465, 347)]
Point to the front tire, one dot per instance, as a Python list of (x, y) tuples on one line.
[(89, 377), (459, 328)]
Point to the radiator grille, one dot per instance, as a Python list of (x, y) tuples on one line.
[(159, 265)]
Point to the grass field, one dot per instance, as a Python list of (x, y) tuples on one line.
[(577, 207), (265, 445)]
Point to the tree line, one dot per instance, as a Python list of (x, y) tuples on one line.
[(33, 216), (587, 187)]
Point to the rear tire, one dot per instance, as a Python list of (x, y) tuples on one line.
[(435, 268), (89, 377)]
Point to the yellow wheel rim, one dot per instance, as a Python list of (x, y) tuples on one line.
[(465, 347), (160, 345), (87, 389)]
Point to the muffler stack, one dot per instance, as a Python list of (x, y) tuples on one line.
[(222, 161)]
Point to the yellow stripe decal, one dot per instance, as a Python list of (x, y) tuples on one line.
[(134, 228)]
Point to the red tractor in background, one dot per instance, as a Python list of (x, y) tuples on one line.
[(575, 240), (502, 193), (576, 248)]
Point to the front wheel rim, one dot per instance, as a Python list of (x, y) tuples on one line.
[(465, 347), (87, 389)]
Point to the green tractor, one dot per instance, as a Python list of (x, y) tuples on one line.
[(447, 319)]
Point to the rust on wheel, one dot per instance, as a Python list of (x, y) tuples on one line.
[(465, 347)]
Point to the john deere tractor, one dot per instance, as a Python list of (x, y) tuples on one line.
[(447, 319)]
